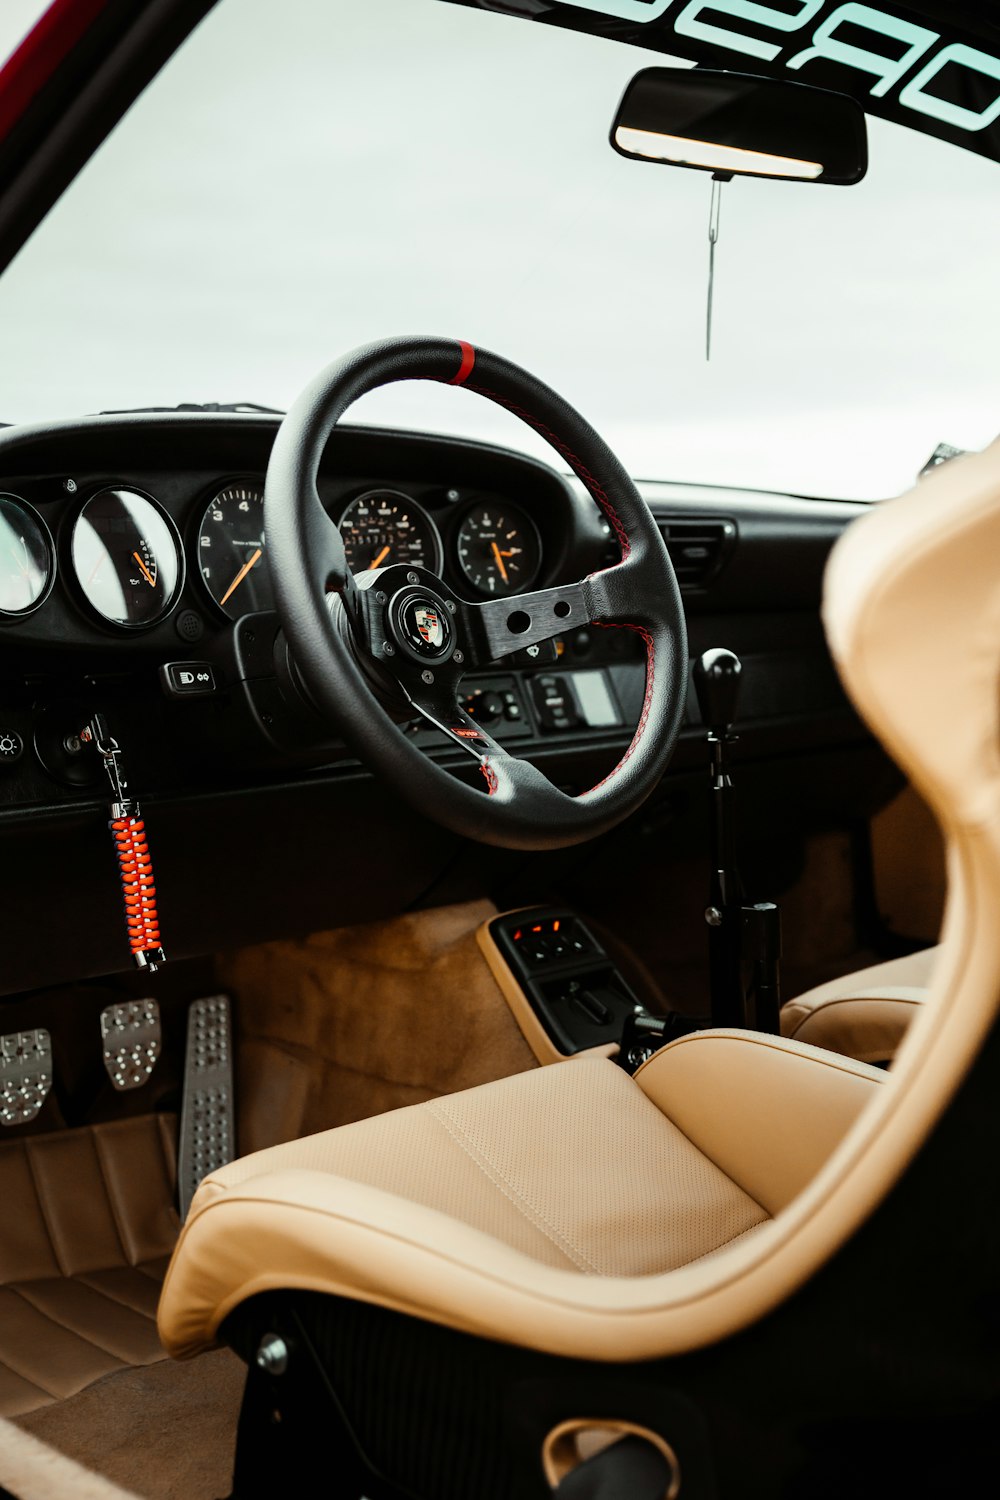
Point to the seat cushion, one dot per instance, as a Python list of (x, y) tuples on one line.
[(865, 1014), (524, 1209), (580, 1171)]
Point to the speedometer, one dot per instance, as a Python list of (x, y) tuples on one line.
[(383, 527)]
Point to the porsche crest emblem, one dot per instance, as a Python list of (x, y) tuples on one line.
[(428, 623)]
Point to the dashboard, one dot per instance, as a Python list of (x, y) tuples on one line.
[(126, 558), (134, 584)]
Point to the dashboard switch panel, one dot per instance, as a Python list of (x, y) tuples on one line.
[(573, 987)]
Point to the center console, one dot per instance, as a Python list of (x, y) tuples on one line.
[(566, 993)]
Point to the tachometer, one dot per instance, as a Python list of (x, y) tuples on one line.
[(26, 557), (232, 553), (384, 527), (499, 550), (127, 558)]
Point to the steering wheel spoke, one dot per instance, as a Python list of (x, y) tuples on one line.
[(498, 627), (452, 720)]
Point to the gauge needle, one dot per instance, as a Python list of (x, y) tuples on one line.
[(145, 571), (241, 574), (500, 562), (379, 560)]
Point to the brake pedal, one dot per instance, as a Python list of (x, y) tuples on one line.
[(130, 1035), (25, 1074), (207, 1136)]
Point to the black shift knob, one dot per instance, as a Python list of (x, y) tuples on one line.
[(717, 684)]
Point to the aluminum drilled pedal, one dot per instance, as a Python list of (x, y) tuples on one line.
[(207, 1137), (130, 1035), (25, 1074)]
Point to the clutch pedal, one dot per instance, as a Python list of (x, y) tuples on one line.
[(25, 1074), (130, 1036), (207, 1136)]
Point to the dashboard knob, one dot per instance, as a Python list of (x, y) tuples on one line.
[(11, 747), (484, 705)]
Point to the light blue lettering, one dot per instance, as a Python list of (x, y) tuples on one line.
[(687, 24), (888, 70), (913, 95)]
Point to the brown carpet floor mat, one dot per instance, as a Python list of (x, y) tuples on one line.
[(167, 1432), (87, 1225), (347, 1024)]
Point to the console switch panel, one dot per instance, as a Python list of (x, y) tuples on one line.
[(573, 986)]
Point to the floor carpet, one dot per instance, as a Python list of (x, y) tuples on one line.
[(166, 1432)]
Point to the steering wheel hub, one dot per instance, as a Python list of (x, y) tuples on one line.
[(420, 623)]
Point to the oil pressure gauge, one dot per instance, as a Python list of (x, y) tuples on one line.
[(127, 558)]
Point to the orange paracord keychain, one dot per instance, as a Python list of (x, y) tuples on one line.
[(132, 848)]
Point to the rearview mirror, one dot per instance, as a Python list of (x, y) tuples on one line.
[(734, 124)]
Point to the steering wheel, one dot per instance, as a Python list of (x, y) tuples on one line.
[(393, 643)]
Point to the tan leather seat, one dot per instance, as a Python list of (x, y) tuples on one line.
[(487, 1209), (864, 1014)]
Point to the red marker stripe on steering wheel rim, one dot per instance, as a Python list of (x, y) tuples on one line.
[(466, 367)]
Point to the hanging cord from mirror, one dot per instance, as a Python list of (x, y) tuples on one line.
[(714, 212)]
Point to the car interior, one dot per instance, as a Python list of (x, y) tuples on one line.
[(499, 967)]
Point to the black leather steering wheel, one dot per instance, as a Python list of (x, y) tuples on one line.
[(395, 642)]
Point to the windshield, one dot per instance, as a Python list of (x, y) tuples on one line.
[(305, 178)]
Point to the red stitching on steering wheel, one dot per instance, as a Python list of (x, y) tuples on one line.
[(647, 700), (492, 780), (597, 491), (578, 466)]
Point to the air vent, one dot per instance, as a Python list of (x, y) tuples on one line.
[(698, 548)]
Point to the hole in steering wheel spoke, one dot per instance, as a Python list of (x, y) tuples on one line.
[(562, 608), (518, 622)]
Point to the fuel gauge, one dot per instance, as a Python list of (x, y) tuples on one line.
[(127, 558), (26, 558)]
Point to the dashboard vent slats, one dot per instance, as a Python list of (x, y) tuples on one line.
[(698, 548)]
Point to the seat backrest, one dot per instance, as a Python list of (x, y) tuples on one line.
[(912, 614)]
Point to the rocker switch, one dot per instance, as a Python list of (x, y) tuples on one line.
[(187, 679)]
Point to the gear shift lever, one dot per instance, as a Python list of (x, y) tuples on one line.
[(717, 684), (737, 930)]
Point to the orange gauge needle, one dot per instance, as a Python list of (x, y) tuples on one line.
[(241, 574), (380, 559), (145, 571), (500, 562)]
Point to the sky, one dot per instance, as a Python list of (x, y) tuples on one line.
[(305, 178)]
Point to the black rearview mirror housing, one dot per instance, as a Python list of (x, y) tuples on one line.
[(737, 125)]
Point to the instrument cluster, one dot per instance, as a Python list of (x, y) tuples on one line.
[(123, 559)]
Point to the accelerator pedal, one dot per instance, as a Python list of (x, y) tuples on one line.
[(25, 1074), (130, 1037), (207, 1139)]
